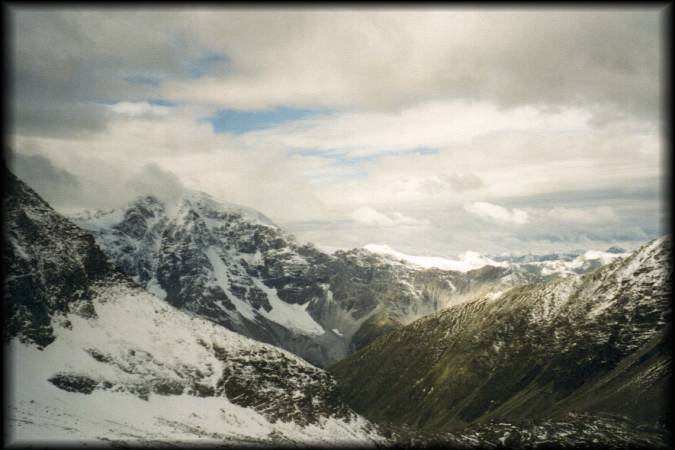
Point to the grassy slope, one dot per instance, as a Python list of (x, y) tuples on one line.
[(489, 360)]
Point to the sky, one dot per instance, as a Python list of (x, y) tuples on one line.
[(434, 131)]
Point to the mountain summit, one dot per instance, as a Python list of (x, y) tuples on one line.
[(235, 267), (94, 357)]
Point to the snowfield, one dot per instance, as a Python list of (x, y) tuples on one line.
[(135, 339)]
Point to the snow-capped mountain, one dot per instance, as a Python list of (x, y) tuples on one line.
[(233, 266), (549, 266), (466, 262), (557, 265), (94, 357), (598, 343)]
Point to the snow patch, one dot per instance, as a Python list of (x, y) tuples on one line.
[(291, 316), (154, 288), (220, 272)]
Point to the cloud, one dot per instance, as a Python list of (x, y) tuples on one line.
[(435, 124), (596, 215), (323, 58), (458, 182), (551, 113), (67, 65), (371, 217), (152, 180), (54, 184), (66, 191), (607, 61), (503, 216)]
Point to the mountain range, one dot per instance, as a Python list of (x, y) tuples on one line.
[(234, 266), (201, 321), (594, 343), (94, 356)]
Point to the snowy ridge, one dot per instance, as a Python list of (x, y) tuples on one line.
[(560, 265), (205, 202), (468, 261), (598, 342)]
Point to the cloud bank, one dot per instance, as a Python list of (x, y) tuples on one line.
[(435, 131)]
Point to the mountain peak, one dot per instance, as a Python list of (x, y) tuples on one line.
[(203, 201)]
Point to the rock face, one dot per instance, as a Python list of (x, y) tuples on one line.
[(233, 266), (94, 356), (575, 430), (49, 265), (595, 343)]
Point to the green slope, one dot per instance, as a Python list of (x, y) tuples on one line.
[(598, 343)]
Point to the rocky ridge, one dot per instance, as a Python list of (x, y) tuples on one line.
[(82, 335), (233, 266), (595, 343)]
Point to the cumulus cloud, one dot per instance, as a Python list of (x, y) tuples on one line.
[(498, 214), (369, 216)]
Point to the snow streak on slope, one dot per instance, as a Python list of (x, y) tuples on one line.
[(143, 371), (194, 228), (294, 317)]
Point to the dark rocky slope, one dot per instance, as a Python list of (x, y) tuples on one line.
[(598, 343), (49, 265)]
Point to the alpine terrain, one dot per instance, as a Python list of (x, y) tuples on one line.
[(597, 344), (233, 266), (94, 357), (138, 329)]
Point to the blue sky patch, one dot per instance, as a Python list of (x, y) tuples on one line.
[(342, 158), (238, 122), (208, 63), (356, 163), (144, 79), (160, 102)]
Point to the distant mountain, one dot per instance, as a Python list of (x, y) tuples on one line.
[(233, 266), (93, 357), (598, 343), (469, 261)]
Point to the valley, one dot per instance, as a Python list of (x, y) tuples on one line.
[(205, 322)]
